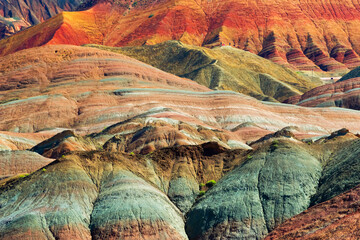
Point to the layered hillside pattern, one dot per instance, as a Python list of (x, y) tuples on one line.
[(306, 35), (225, 68), (344, 93)]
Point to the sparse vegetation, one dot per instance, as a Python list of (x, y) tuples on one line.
[(23, 175), (210, 183), (274, 145)]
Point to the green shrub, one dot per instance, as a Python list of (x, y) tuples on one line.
[(151, 15), (44, 169), (201, 193), (23, 175), (210, 183), (132, 153), (249, 157), (274, 145)]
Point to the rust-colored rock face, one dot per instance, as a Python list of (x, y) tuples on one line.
[(35, 11), (307, 35), (340, 94), (337, 218), (89, 89), (9, 26)]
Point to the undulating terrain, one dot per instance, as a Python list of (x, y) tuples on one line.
[(223, 68), (16, 15), (179, 119), (306, 35)]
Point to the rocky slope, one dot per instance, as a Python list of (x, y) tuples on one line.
[(343, 93), (111, 194), (9, 26), (139, 151), (93, 89), (224, 68), (334, 219), (307, 35), (15, 15), (338, 216)]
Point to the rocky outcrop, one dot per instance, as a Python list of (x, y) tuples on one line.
[(340, 173), (334, 219), (224, 68), (87, 90), (16, 15), (344, 93), (273, 184), (9, 26), (304, 35), (16, 162), (63, 143)]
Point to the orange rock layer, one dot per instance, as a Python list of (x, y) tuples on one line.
[(307, 35)]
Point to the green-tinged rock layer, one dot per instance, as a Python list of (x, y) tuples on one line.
[(273, 185), (340, 174), (222, 68), (87, 196)]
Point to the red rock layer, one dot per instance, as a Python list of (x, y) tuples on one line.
[(308, 35), (89, 89), (14, 162), (35, 11), (337, 218), (341, 94)]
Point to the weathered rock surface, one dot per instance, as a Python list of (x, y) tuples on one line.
[(9, 26), (224, 68), (16, 15), (305, 35), (100, 202), (275, 183), (344, 93), (340, 173), (15, 162), (88, 89), (334, 219), (63, 143)]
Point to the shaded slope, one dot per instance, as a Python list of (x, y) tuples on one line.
[(9, 26), (274, 184), (76, 214), (305, 35), (20, 14), (340, 173), (337, 218), (343, 93), (222, 68)]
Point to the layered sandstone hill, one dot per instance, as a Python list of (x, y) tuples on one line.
[(9, 26), (307, 35), (223, 68), (343, 93), (35, 11), (112, 194), (89, 89), (338, 217), (137, 152)]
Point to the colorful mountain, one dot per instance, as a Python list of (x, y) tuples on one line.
[(344, 93), (222, 68), (303, 35)]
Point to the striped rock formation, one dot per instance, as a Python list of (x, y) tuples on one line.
[(307, 35)]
